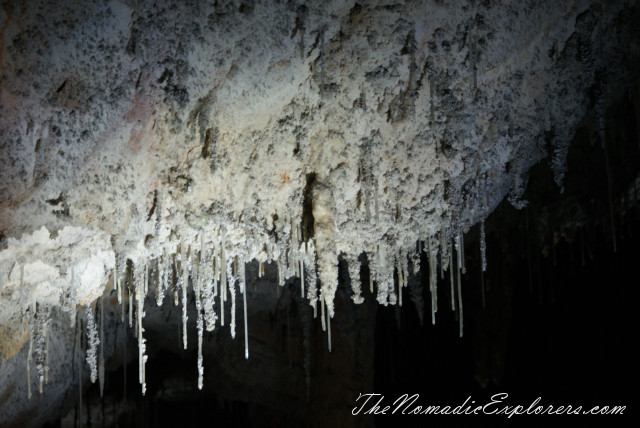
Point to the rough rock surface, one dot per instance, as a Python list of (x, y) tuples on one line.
[(173, 134)]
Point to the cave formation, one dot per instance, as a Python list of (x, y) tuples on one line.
[(249, 213)]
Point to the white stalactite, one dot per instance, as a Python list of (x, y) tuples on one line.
[(92, 344), (232, 291), (200, 322), (460, 258), (29, 363), (101, 355), (243, 290), (354, 276), (184, 282), (142, 357)]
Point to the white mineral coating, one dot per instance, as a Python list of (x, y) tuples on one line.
[(129, 127), (223, 113), (324, 229), (37, 269), (93, 341)]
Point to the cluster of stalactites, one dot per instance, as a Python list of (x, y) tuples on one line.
[(389, 270), (38, 352), (38, 319), (212, 269)]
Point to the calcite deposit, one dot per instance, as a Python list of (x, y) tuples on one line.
[(154, 148)]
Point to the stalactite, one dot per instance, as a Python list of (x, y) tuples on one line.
[(139, 285), (29, 363), (463, 267), (208, 292), (445, 251), (381, 274), (175, 278), (280, 271), (312, 282), (322, 319), (92, 343), (145, 282), (400, 282), (101, 355), (74, 313), (392, 298), (243, 290), (329, 330), (460, 257), (483, 247), (451, 279), (185, 281), (200, 326), (130, 299), (404, 267), (460, 312), (22, 288), (415, 261), (301, 278), (312, 291), (232, 291), (46, 358), (79, 342), (223, 278), (38, 341), (370, 281), (122, 306), (353, 265), (160, 283), (297, 274), (120, 270), (433, 278), (114, 275)]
